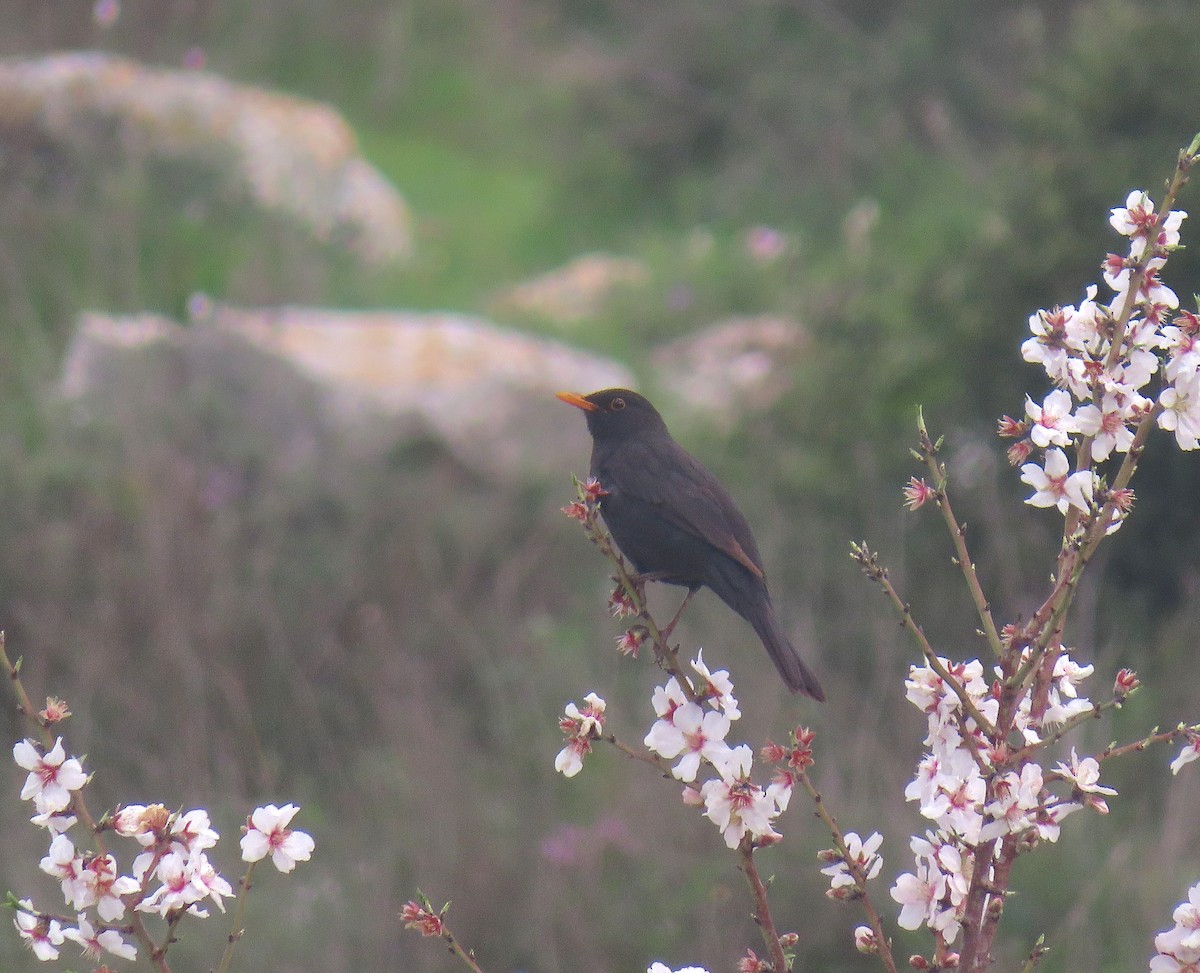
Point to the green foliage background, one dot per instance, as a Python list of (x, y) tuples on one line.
[(387, 637)]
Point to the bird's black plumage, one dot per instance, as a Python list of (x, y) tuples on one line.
[(676, 522)]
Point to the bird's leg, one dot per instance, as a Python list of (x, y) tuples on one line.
[(666, 632)]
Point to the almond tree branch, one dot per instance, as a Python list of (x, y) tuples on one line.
[(856, 872), (137, 925), (762, 907), (869, 562), (928, 453)]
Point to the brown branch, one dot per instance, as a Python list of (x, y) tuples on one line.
[(78, 803), (856, 872), (869, 561), (762, 908), (958, 535)]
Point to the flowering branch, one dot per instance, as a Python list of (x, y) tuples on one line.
[(980, 782), (858, 870), (174, 847), (694, 715)]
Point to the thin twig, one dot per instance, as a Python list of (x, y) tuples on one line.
[(958, 535), (856, 871), (237, 929), (872, 568), (762, 907)]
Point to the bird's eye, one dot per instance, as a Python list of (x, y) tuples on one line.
[(616, 405)]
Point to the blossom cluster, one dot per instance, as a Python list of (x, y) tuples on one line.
[(974, 791), (171, 875), (692, 732), (1178, 949), (580, 727), (1101, 357)]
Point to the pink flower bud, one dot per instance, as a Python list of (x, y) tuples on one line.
[(415, 916), (1018, 453), (1126, 682), (865, 941)]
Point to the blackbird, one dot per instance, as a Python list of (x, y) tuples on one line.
[(676, 522)]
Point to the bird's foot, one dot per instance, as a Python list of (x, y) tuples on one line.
[(666, 632)]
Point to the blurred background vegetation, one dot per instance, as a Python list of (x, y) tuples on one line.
[(387, 637)]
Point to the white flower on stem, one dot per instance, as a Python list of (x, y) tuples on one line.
[(1187, 918), (63, 864), (663, 968), (1083, 324), (179, 888), (107, 887), (1179, 948), (267, 831), (1048, 346), (1119, 276), (41, 933), (864, 854), (1056, 486), (957, 806), (735, 762), (52, 776), (192, 832), (1017, 797), (580, 726), (940, 885), (1053, 423), (211, 883), (1173, 959), (54, 821), (1108, 425), (95, 943), (1135, 373), (779, 791), (1136, 218), (717, 688), (737, 809), (918, 895), (1084, 776), (1190, 752), (695, 734), (1181, 410), (1067, 673)]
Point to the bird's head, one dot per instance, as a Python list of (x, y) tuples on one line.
[(614, 414)]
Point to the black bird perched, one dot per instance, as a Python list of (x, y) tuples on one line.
[(675, 521)]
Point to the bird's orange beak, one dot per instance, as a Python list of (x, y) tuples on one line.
[(577, 400)]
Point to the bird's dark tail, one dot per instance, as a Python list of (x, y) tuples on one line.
[(750, 599), (795, 673)]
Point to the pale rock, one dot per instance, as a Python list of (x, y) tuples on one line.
[(286, 154)]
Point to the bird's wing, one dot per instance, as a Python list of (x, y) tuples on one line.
[(690, 496)]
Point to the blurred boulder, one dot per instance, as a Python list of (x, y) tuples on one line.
[(484, 392), (64, 117), (738, 365), (577, 290)]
